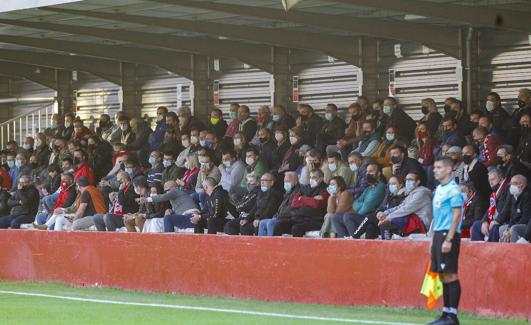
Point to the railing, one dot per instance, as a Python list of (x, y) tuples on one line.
[(27, 124)]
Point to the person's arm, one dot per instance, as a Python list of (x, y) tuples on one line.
[(370, 148), (165, 197), (412, 203), (331, 206), (447, 244), (80, 211), (345, 202), (373, 199), (236, 177)]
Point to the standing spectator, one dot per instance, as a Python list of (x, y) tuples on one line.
[(187, 122), (487, 144), (474, 171), (57, 126), (217, 124), (155, 138), (494, 109), (399, 118), (432, 118), (333, 129), (310, 123), (24, 204)]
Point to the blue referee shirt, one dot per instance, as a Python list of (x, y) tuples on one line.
[(447, 197)]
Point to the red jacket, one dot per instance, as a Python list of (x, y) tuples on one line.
[(490, 143), (84, 170), (66, 198), (6, 180)]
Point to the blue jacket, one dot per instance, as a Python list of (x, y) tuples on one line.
[(156, 138)]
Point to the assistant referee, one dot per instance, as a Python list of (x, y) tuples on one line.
[(446, 227)]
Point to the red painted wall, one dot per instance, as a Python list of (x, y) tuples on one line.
[(495, 277)]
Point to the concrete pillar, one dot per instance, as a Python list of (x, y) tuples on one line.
[(65, 91), (281, 90), (368, 62), (131, 97), (201, 99), (469, 55)]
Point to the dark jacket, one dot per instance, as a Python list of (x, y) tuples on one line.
[(194, 123), (285, 123), (500, 119), (4, 206), (248, 127), (247, 203), (306, 208), (311, 127), (24, 202), (523, 151), (516, 210), (433, 121), (411, 165), (284, 209), (475, 211), (266, 204), (101, 160), (268, 153), (403, 122), (280, 151), (219, 129), (479, 176), (43, 155), (330, 133), (142, 132), (127, 199), (218, 205), (155, 138)]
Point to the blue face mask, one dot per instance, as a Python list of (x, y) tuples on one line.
[(276, 118), (329, 116), (233, 115), (393, 188), (151, 161), (332, 189), (166, 163), (287, 187), (410, 185), (264, 188), (387, 109), (11, 163)]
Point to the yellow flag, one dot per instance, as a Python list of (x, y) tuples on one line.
[(431, 287)]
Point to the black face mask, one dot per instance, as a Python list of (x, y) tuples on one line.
[(34, 165), (451, 113), (77, 161), (371, 179), (425, 110), (366, 134), (263, 140), (446, 108), (396, 159), (467, 159), (521, 104), (499, 161), (91, 146), (355, 117), (524, 129), (55, 147)]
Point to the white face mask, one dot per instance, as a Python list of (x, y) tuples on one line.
[(293, 140), (514, 190), (490, 106), (194, 139), (313, 183), (137, 191), (249, 161), (237, 142), (124, 127), (353, 167), (26, 146), (279, 137)]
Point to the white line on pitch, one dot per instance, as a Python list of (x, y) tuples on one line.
[(219, 310)]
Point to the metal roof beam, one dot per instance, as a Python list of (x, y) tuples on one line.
[(106, 69), (41, 75), (444, 39), (179, 63), (340, 47), (476, 15), (256, 55)]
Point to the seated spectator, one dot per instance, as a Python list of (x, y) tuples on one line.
[(403, 165), (124, 203), (369, 139), (339, 202), (100, 157), (333, 129), (474, 171), (114, 133), (69, 126), (266, 226), (216, 144), (207, 169), (189, 180), (454, 153), (486, 122), (132, 168), (126, 135), (412, 215), (495, 111), (244, 206), (354, 224), (232, 171), (336, 167), (218, 126), (247, 125), (154, 174), (57, 126), (309, 122), (186, 122), (185, 142), (20, 168), (5, 181), (241, 145), (487, 144), (382, 153), (523, 151), (59, 151), (81, 166), (170, 142), (213, 216), (451, 136), (397, 117), (155, 139), (42, 152), (308, 208), (506, 161), (267, 148), (425, 145), (291, 160), (153, 212), (171, 171), (24, 204), (66, 197), (81, 132), (512, 223), (458, 113), (378, 117), (312, 161), (135, 220), (266, 204), (139, 146), (264, 122), (232, 128), (282, 146), (254, 165), (104, 124), (358, 168), (474, 207), (498, 197)]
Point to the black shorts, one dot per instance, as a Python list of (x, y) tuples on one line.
[(444, 262)]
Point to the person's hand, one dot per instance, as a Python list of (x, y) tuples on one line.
[(221, 168), (492, 224), (179, 182), (59, 211), (395, 168), (446, 247), (168, 212), (243, 222), (420, 160), (195, 218), (380, 216), (298, 121), (485, 228), (318, 197), (341, 143), (128, 216), (506, 238), (256, 222)]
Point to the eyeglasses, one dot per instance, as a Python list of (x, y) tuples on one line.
[(266, 180)]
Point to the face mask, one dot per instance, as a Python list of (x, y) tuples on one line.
[(293, 140), (287, 186), (393, 188), (124, 127), (129, 170), (489, 106), (276, 118), (451, 113), (11, 163), (390, 136), (205, 166), (410, 185), (194, 139), (77, 130), (166, 163), (499, 161), (34, 165), (214, 120), (387, 110), (261, 119), (249, 161), (332, 167), (353, 167), (233, 115), (77, 160), (18, 163), (329, 116), (521, 104), (313, 183), (467, 159), (203, 143), (55, 124), (160, 117), (425, 110), (332, 189), (366, 134), (250, 187), (446, 108), (262, 140), (137, 191), (263, 188), (26, 146), (422, 134), (355, 117), (152, 161), (514, 190), (237, 142), (396, 159), (68, 124), (371, 179), (227, 164), (279, 137)]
